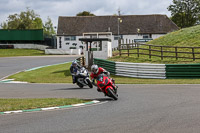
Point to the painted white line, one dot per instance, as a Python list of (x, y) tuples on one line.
[(35, 68), (95, 101), (50, 108), (7, 80), (17, 82), (10, 75), (9, 112), (76, 105)]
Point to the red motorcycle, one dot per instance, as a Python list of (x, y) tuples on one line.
[(107, 86)]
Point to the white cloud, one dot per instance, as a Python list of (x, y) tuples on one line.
[(56, 8)]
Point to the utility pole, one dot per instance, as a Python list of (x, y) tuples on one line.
[(119, 11)]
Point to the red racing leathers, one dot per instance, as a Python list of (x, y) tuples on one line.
[(100, 71)]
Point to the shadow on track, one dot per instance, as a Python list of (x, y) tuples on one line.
[(101, 99), (76, 88)]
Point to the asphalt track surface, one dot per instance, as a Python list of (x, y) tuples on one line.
[(140, 108)]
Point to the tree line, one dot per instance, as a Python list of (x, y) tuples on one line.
[(184, 13), (28, 20)]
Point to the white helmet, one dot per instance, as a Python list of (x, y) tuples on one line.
[(94, 69)]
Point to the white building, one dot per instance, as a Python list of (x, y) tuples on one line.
[(133, 27)]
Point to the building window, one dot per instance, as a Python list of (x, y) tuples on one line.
[(145, 36), (73, 38), (116, 37), (60, 42), (70, 38)]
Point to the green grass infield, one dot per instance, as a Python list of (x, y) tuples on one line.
[(20, 52), (24, 104), (61, 74)]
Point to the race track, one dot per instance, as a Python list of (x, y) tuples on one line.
[(140, 108)]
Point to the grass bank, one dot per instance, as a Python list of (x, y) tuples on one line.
[(20, 52), (187, 37), (22, 104)]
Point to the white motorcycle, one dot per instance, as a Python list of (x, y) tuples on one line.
[(83, 78)]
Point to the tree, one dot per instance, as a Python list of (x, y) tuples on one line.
[(28, 20), (85, 13), (48, 27), (185, 13), (25, 20)]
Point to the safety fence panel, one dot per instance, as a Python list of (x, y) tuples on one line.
[(140, 70), (108, 65), (181, 71)]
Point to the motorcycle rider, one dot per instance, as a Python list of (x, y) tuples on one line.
[(73, 69), (99, 70)]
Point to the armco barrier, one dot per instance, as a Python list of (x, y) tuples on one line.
[(140, 70), (108, 65), (147, 70), (137, 70), (181, 71)]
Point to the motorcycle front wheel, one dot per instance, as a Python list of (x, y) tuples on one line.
[(80, 85), (89, 83), (112, 94)]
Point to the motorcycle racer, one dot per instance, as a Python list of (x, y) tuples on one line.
[(99, 70), (73, 69)]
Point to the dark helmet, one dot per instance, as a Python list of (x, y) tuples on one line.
[(74, 63)]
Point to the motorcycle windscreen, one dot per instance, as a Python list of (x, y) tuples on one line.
[(102, 80)]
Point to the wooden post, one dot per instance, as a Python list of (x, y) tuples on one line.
[(150, 51), (138, 50), (119, 47), (132, 43), (83, 61), (127, 46), (176, 52), (161, 52), (193, 54)]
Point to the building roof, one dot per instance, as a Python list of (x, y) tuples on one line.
[(152, 24)]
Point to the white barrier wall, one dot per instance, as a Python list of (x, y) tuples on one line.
[(28, 46), (63, 51)]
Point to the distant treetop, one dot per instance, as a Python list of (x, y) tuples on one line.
[(85, 13)]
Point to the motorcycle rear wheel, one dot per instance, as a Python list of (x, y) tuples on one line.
[(112, 94)]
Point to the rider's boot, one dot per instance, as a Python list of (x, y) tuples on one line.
[(98, 89)]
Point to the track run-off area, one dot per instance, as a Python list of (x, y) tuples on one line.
[(140, 108)]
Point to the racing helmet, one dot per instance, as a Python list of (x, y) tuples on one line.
[(95, 69), (74, 63)]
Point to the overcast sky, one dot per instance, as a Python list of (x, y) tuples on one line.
[(56, 8)]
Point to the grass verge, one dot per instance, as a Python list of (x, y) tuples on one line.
[(61, 74), (129, 80), (51, 74), (22, 104), (20, 52)]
